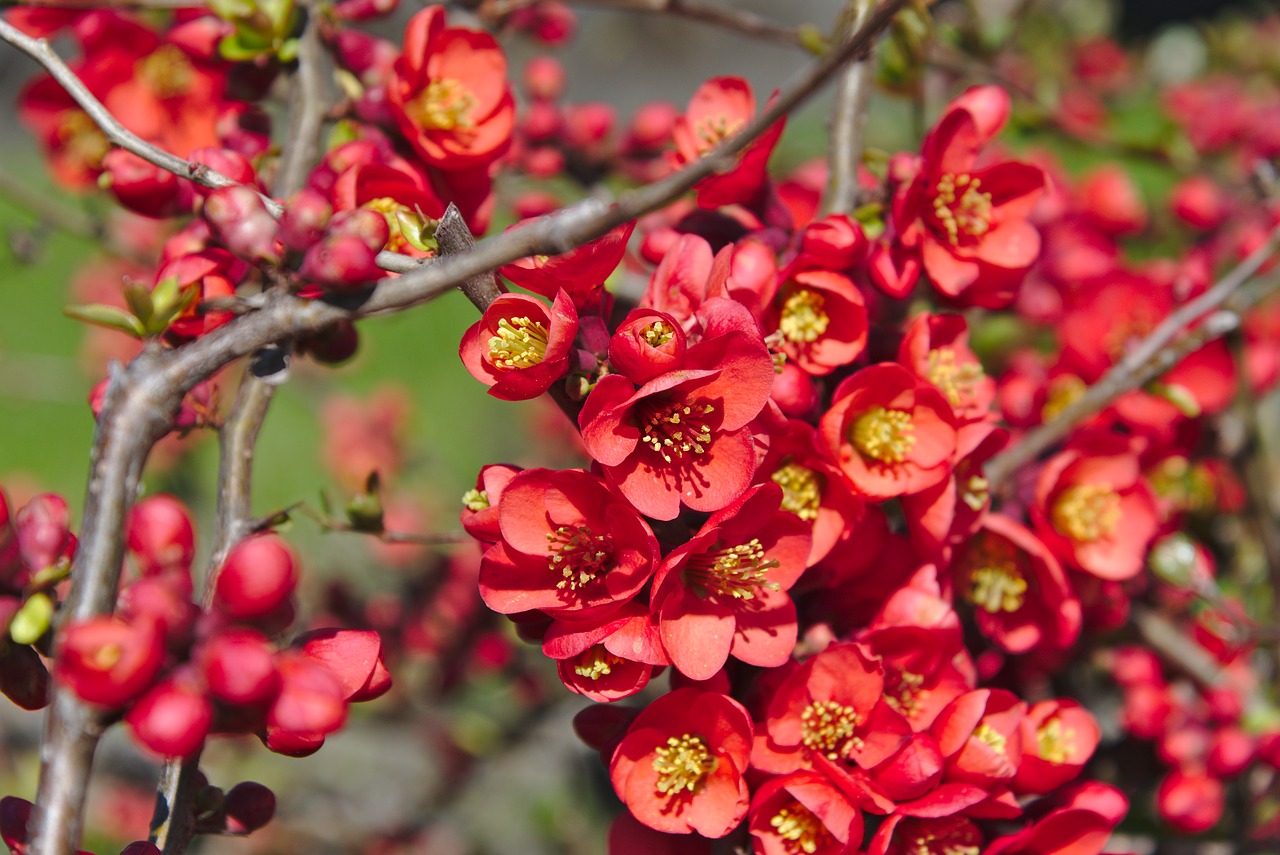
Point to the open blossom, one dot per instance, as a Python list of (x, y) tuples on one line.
[(680, 767), (936, 348), (889, 432), (976, 242), (724, 592), (581, 271), (1058, 738), (568, 546), (449, 93), (1094, 509), (520, 347), (804, 813), (717, 111), (822, 319), (683, 438)]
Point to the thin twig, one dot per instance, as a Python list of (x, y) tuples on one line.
[(308, 105), (143, 399), (1150, 358), (1177, 647), (849, 122), (734, 20)]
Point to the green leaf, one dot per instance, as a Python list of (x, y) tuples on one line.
[(288, 50), (32, 620), (138, 298), (111, 317)]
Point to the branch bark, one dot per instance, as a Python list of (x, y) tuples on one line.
[(1151, 357), (849, 123)]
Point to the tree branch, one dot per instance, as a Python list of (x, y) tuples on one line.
[(1151, 357), (143, 398), (735, 20), (849, 123)]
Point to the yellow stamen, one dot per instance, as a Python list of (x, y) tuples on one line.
[(714, 130), (445, 105), (827, 727), (596, 663), (884, 435), (682, 764), (961, 208), (903, 690), (668, 430), (1053, 742), (734, 571), (989, 736), (1087, 512), (475, 500), (955, 381), (167, 71), (1063, 390), (657, 334), (520, 343), (579, 554), (800, 830), (801, 490), (803, 319)]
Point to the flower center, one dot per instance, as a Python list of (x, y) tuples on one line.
[(803, 319), (947, 836), (990, 737), (475, 500), (827, 727), (801, 490), (903, 690), (954, 380), (519, 343), (85, 142), (735, 571), (391, 210), (596, 663), (1063, 390), (682, 764), (1053, 743), (167, 71), (714, 130), (445, 105), (676, 429), (579, 554), (884, 435), (961, 208), (106, 656), (657, 334), (1087, 512), (999, 588), (800, 829)]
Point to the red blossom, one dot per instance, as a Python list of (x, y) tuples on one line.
[(1058, 738), (581, 271), (804, 812), (717, 111), (980, 735), (108, 662), (936, 348), (680, 767), (519, 347), (888, 432), (822, 319), (723, 592), (569, 547)]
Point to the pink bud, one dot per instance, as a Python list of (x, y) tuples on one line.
[(163, 599), (794, 392), (144, 188), (241, 222), (543, 162), (108, 662), (1110, 199), (160, 535), (544, 78), (587, 125), (172, 719), (257, 577), (1191, 803), (540, 123), (310, 703), (1199, 202), (1230, 752), (44, 535), (651, 126), (232, 164), (238, 666), (342, 261), (304, 219), (354, 657), (363, 10)]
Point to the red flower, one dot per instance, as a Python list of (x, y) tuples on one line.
[(822, 319), (943, 835), (1020, 596), (569, 547), (717, 111), (936, 348), (402, 196), (449, 93), (976, 242), (1082, 825), (108, 662), (609, 658), (213, 273), (889, 433), (724, 591), (646, 344), (1058, 738), (519, 348), (980, 735), (683, 437), (804, 813), (1094, 509), (680, 767)]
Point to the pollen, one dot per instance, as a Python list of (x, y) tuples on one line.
[(904, 690), (475, 500), (1087, 512), (596, 663), (884, 435), (962, 209), (167, 71), (995, 583), (734, 571), (445, 105), (519, 343), (956, 381), (827, 727), (682, 764), (990, 737), (676, 429), (106, 656), (803, 319), (1053, 742), (947, 836), (389, 209), (714, 130), (657, 334), (801, 490), (1063, 391), (578, 554), (85, 142), (800, 830)]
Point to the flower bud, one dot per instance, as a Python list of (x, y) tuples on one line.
[(108, 662), (241, 222), (249, 806), (794, 392), (354, 657), (304, 219), (172, 719), (160, 535), (1199, 202), (238, 666), (142, 187), (1231, 750), (257, 577), (544, 78), (334, 344), (44, 535), (1191, 803), (341, 261)]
